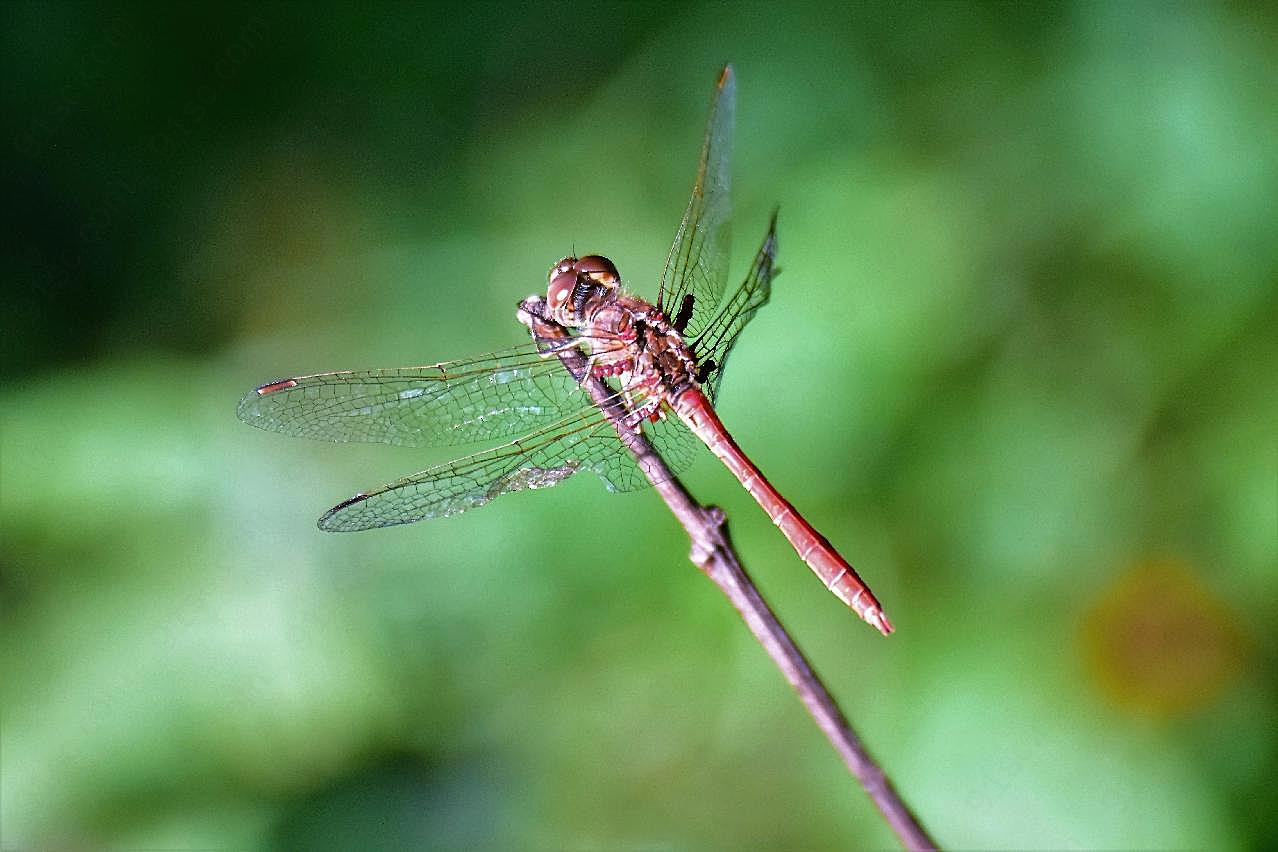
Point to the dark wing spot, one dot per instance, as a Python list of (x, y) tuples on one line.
[(324, 521), (684, 313), (704, 371), (276, 386)]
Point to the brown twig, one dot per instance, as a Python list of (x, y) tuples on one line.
[(714, 555)]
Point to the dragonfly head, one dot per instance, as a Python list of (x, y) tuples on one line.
[(574, 281)]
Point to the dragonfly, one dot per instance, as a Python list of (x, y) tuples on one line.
[(661, 364)]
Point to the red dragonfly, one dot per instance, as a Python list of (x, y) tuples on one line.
[(662, 364)]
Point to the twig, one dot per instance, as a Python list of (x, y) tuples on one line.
[(714, 555)]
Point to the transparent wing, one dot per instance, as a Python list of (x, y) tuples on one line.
[(674, 441), (716, 341), (489, 397), (697, 266), (583, 440)]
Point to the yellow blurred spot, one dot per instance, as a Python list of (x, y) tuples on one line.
[(1159, 642)]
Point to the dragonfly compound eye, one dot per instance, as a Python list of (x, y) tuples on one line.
[(572, 282), (599, 269), (568, 264), (559, 291)]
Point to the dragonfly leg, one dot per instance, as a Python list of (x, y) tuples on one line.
[(642, 401)]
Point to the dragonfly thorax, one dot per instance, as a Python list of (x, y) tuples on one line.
[(628, 337)]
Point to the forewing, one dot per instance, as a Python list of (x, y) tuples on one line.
[(490, 397), (697, 266), (716, 341)]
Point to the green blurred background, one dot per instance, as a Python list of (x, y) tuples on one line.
[(1020, 367)]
